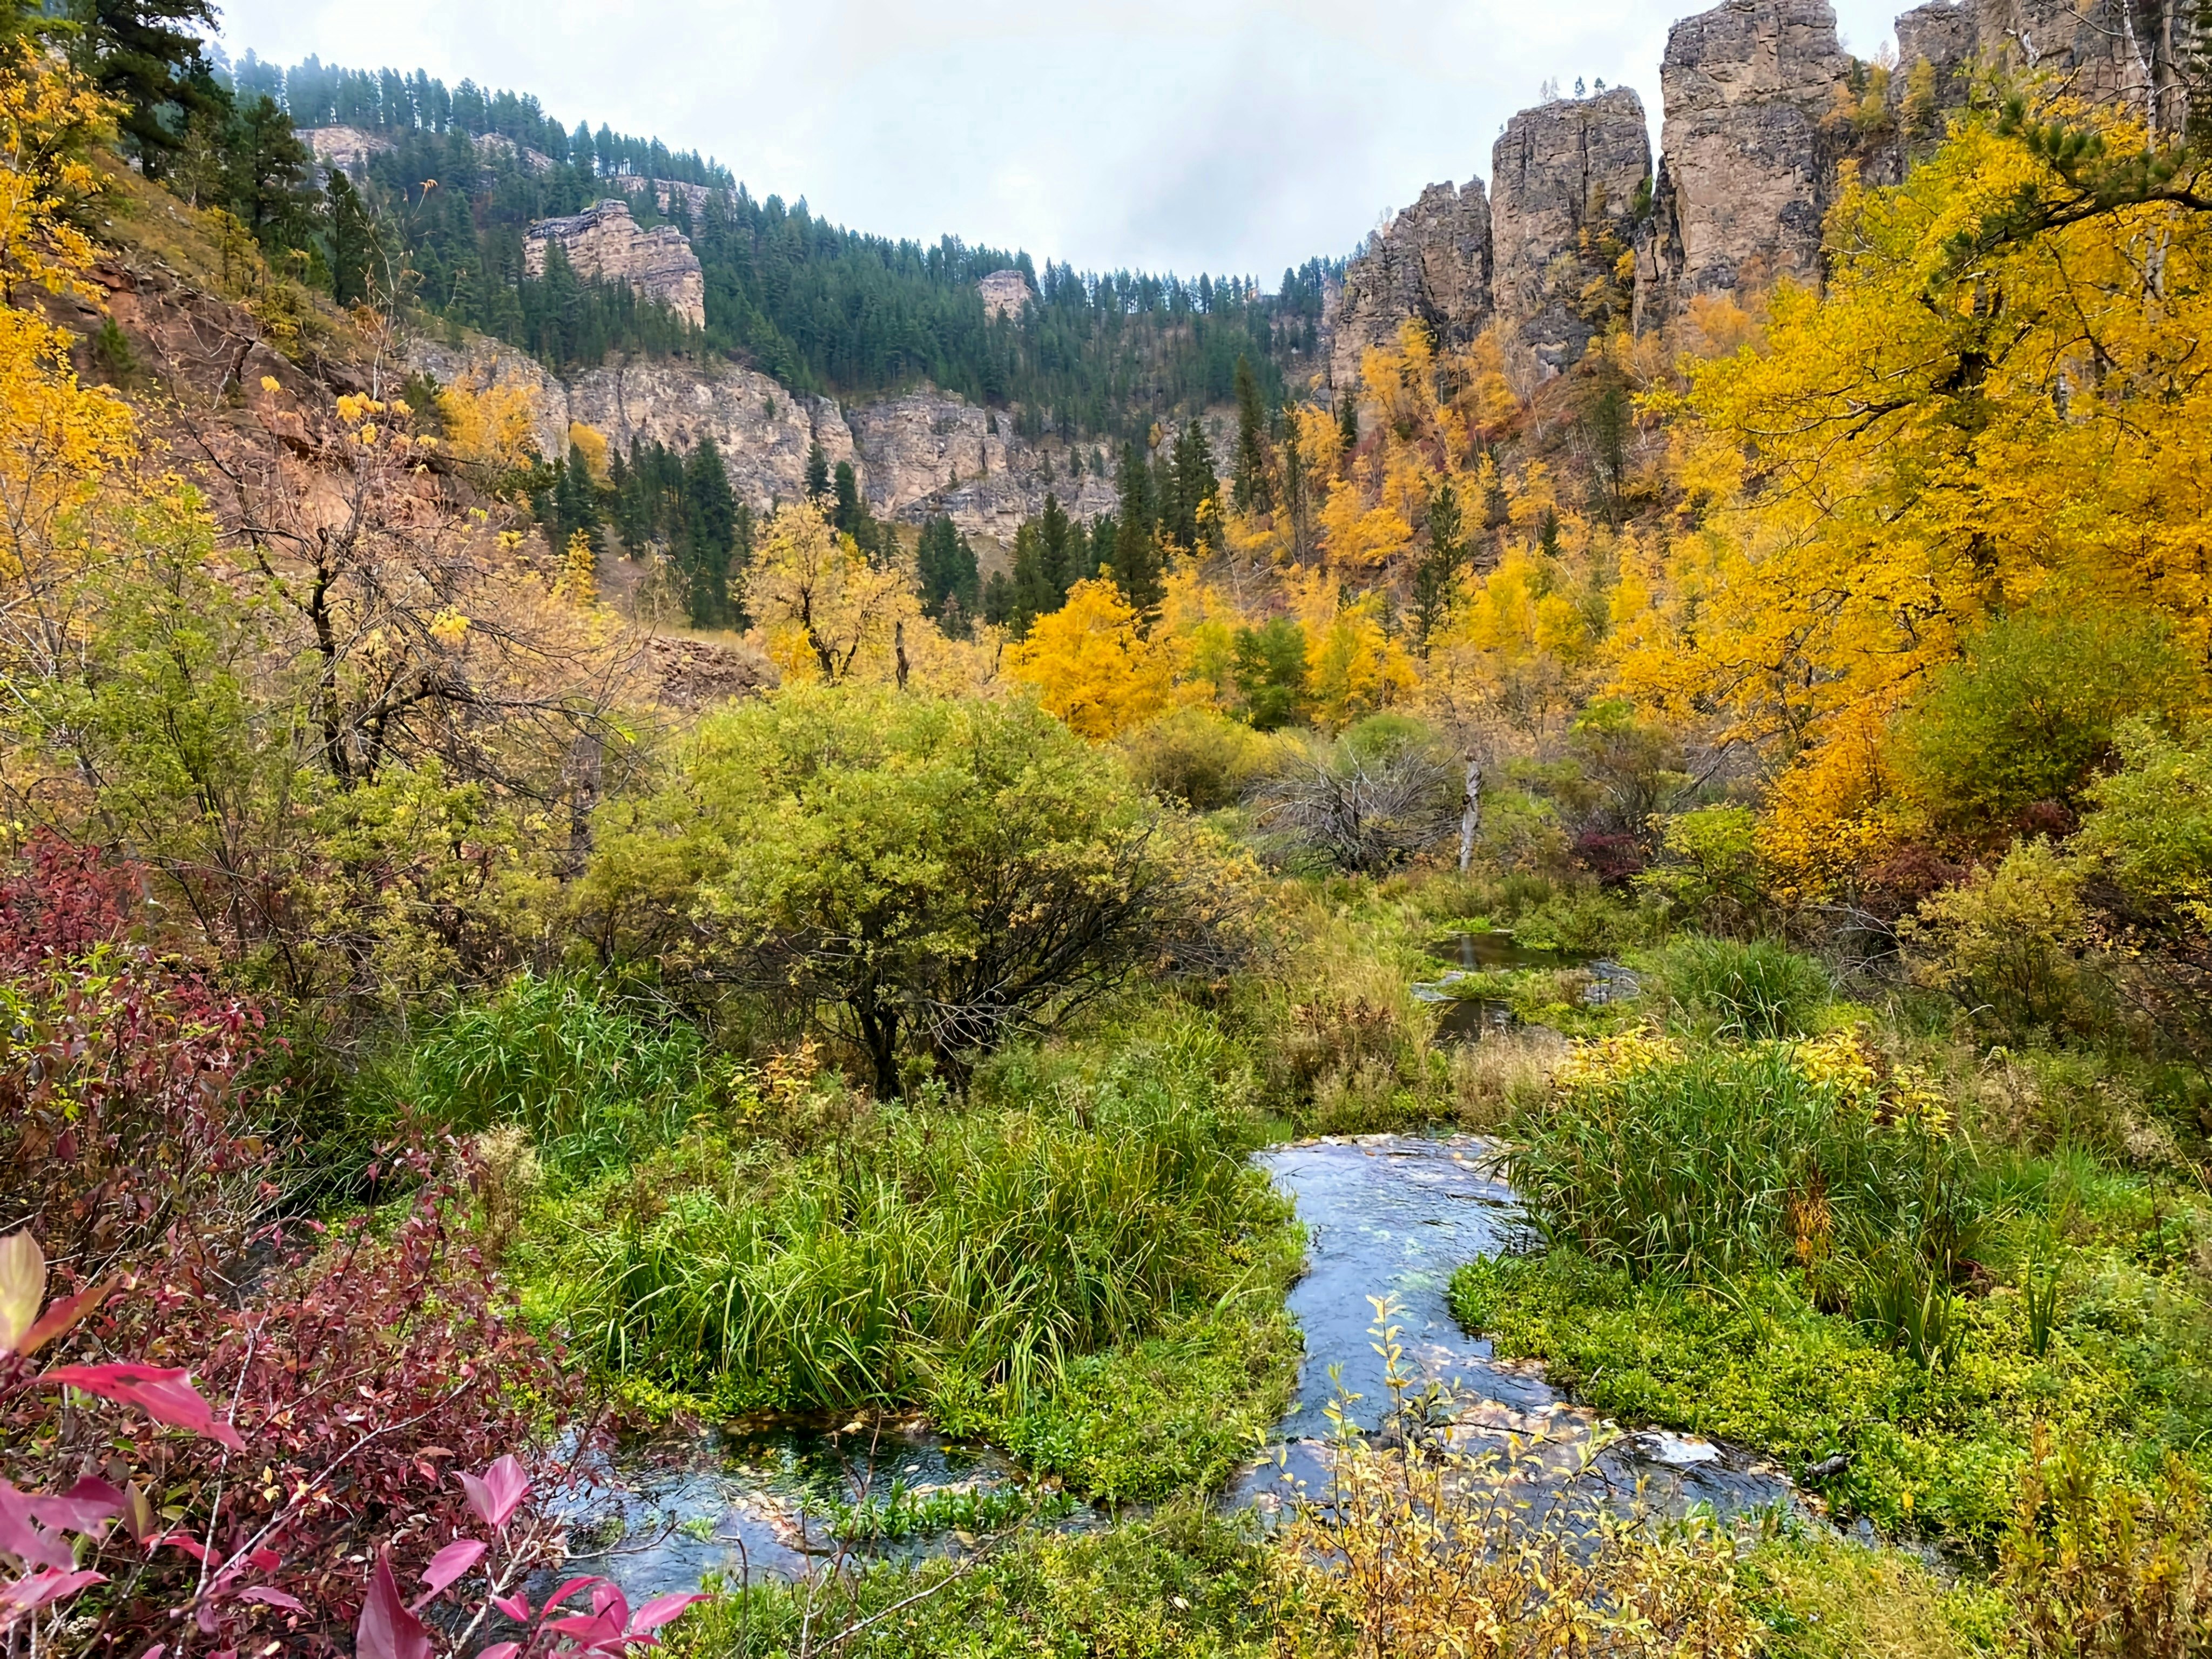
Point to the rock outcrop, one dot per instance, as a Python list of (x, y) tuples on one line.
[(1569, 182), (914, 456), (1762, 107), (604, 242), (1750, 170), (1431, 262), (1005, 294), (668, 191), (345, 148)]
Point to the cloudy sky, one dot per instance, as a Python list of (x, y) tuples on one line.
[(1202, 135)]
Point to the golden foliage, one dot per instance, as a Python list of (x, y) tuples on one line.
[(1962, 422), (49, 115), (1092, 665), (826, 611)]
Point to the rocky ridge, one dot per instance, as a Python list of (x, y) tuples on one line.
[(605, 242), (1761, 107)]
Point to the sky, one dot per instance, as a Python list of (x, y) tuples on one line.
[(1220, 136)]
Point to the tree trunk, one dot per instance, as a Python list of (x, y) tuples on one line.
[(1470, 814)]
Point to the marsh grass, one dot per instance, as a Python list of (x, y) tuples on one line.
[(1733, 1158), (946, 1251), (1747, 992)]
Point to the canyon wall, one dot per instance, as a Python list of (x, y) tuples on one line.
[(913, 456), (1761, 107)]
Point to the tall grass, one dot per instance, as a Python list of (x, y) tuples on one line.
[(1733, 1158), (1748, 991), (591, 1080), (985, 1246)]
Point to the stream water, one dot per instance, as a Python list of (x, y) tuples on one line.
[(1394, 1216), (1385, 1215), (1472, 1017)]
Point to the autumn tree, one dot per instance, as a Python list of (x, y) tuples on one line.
[(1091, 663), (829, 612)]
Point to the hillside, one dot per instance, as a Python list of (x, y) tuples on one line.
[(1533, 979)]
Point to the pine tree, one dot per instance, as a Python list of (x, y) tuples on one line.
[(817, 473), (1439, 566), (1347, 423), (1136, 555), (709, 535), (352, 236), (147, 55), (1253, 492)]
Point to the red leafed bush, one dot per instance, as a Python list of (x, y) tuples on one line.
[(119, 1072), (364, 1365)]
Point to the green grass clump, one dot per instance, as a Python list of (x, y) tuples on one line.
[(1732, 1158), (1183, 1582), (903, 1512), (1823, 1597), (967, 1259), (1933, 1451), (589, 1078), (1750, 992)]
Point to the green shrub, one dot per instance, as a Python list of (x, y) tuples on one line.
[(1195, 757), (1751, 993), (2010, 944), (2031, 712)]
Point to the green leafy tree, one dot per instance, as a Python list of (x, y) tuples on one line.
[(920, 877), (2030, 712)]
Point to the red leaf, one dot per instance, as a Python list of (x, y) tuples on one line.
[(184, 1542), (21, 1536), (500, 1650), (81, 1509), (60, 1315), (659, 1611), (388, 1630), (497, 1496), (266, 1559), (42, 1589), (449, 1563), (167, 1396), (516, 1607), (275, 1598), (569, 1589)]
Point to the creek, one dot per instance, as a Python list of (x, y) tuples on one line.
[(1393, 1216)]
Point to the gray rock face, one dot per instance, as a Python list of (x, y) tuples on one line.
[(1432, 262), (1748, 85), (913, 456), (604, 242), (1005, 294), (345, 148), (1567, 181)]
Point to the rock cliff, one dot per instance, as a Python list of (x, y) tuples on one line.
[(913, 456), (1005, 294), (1568, 181), (604, 242), (1431, 261), (1750, 169), (1761, 107), (345, 148)]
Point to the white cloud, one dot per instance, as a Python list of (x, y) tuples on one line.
[(1215, 135)]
